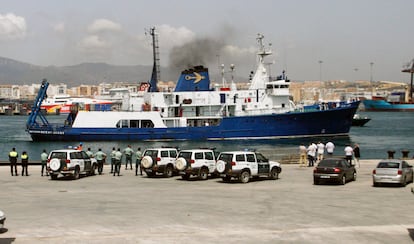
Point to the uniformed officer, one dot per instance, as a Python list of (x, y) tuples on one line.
[(113, 159), (43, 159), (89, 152), (128, 156), (100, 157), (13, 161), (138, 154), (25, 163), (118, 158)]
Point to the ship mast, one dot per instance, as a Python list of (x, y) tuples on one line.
[(155, 76), (409, 68)]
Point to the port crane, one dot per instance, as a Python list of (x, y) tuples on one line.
[(409, 68)]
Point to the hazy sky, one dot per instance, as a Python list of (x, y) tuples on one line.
[(345, 35)]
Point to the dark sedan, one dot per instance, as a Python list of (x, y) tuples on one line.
[(334, 170)]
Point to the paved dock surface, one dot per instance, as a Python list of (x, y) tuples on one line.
[(137, 209)]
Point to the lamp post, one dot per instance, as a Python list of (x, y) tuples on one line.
[(370, 77), (320, 69)]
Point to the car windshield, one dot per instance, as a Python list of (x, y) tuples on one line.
[(226, 157), (329, 163), (59, 155), (392, 165), (186, 155), (151, 153)]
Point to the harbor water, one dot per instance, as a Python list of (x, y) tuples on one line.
[(386, 131)]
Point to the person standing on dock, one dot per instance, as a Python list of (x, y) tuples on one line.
[(118, 158), (89, 152), (128, 156), (302, 155), (100, 157), (43, 159), (330, 147), (138, 155), (357, 154), (25, 163), (311, 154), (113, 159), (349, 152), (321, 150), (13, 155)]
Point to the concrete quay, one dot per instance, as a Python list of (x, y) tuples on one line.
[(137, 209)]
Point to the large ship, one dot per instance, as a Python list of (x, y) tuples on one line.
[(196, 111), (395, 101)]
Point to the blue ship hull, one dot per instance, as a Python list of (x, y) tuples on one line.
[(382, 105), (289, 125)]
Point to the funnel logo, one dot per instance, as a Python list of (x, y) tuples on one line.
[(197, 77)]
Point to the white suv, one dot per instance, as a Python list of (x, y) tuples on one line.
[(159, 160), (70, 162), (244, 164), (200, 162)]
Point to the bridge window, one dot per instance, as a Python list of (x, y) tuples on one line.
[(147, 124)]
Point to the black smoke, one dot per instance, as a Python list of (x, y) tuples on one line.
[(203, 51)]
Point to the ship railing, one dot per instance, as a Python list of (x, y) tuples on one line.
[(48, 127)]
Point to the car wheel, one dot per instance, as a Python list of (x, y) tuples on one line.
[(244, 176), (316, 181), (203, 174), (375, 184), (53, 176), (146, 162), (354, 176), (168, 172), (343, 180), (404, 182), (93, 170), (185, 177), (150, 174), (76, 174), (274, 173), (181, 163), (54, 164), (221, 166), (226, 178)]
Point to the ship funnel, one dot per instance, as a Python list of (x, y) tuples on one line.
[(195, 79)]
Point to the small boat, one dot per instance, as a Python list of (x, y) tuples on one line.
[(197, 111), (359, 120)]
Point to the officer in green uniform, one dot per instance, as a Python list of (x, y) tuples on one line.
[(100, 157), (118, 158), (128, 156), (43, 159), (13, 161), (113, 159), (138, 154)]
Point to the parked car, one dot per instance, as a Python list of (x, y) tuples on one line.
[(392, 171), (245, 164), (2, 219), (334, 170), (199, 162), (70, 162), (159, 160)]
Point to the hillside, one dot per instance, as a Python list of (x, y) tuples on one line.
[(20, 73), (15, 72)]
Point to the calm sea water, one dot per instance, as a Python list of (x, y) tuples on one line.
[(386, 131)]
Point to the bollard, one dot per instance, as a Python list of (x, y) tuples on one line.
[(405, 154), (390, 154)]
